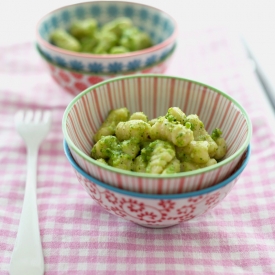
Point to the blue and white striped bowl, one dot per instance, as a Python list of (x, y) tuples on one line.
[(160, 26)]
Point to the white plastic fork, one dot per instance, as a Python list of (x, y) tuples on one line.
[(27, 256)]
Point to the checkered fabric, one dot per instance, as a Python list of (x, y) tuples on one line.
[(80, 237)]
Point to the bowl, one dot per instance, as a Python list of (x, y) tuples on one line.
[(75, 82), (161, 27), (154, 94), (156, 211)]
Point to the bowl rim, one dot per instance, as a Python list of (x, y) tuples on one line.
[(105, 73), (153, 176), (158, 196), (151, 49)]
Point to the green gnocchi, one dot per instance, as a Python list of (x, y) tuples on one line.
[(115, 37), (165, 145)]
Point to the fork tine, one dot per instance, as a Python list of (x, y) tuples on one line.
[(28, 115), (37, 116), (47, 116)]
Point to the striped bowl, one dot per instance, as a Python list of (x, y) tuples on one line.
[(154, 94), (156, 211)]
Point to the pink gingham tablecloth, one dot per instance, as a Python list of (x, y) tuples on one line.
[(79, 237)]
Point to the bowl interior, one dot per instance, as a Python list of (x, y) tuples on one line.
[(153, 95), (156, 23)]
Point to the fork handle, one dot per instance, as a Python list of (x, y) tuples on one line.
[(27, 256)]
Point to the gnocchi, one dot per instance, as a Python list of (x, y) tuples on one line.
[(165, 145), (115, 37)]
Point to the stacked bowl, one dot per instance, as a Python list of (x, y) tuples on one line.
[(156, 200), (76, 71)]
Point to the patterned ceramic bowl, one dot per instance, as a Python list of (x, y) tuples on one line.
[(75, 82), (153, 95), (161, 27), (156, 211)]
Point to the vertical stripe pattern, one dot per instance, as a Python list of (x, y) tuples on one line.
[(153, 95)]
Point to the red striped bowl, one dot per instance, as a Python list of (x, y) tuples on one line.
[(154, 94)]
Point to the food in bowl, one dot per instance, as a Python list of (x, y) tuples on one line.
[(165, 145), (115, 37), (153, 95), (160, 27)]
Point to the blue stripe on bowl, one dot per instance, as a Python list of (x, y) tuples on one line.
[(156, 19), (96, 67), (129, 11), (80, 13), (143, 14), (115, 67), (65, 16), (151, 196), (112, 10), (76, 65), (54, 22), (134, 65), (95, 11), (60, 61), (150, 60)]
